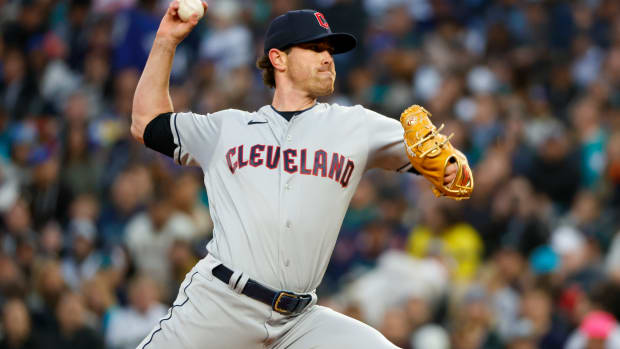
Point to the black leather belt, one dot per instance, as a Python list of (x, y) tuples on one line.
[(286, 303)]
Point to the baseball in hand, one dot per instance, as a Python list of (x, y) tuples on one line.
[(188, 7)]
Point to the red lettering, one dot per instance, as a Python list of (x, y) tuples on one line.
[(321, 19), (348, 171), (242, 163), (255, 159), (302, 160), (232, 166), (272, 157), (340, 170), (320, 163), (289, 158), (336, 168)]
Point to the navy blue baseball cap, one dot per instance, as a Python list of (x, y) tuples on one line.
[(301, 26)]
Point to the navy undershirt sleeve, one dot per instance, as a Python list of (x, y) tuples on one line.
[(158, 135), (413, 170)]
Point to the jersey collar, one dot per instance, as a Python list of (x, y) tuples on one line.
[(288, 115)]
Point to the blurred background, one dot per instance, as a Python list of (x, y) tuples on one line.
[(97, 232)]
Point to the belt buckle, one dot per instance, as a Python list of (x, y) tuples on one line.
[(276, 303)]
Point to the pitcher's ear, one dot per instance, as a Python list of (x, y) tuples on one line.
[(278, 59)]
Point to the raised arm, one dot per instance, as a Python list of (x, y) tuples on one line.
[(152, 96)]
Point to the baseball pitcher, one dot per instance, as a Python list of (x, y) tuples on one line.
[(279, 181)]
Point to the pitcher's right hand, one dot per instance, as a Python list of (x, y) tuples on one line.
[(172, 29)]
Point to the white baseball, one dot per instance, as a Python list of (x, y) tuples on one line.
[(188, 7)]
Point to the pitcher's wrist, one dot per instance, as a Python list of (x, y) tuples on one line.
[(166, 43)]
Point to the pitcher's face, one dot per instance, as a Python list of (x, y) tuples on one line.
[(311, 68)]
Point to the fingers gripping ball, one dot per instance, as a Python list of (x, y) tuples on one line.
[(430, 152), (189, 7)]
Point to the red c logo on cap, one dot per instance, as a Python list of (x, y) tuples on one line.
[(321, 19)]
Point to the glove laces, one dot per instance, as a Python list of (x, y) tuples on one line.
[(435, 149)]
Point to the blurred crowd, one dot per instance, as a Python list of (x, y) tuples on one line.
[(97, 232)]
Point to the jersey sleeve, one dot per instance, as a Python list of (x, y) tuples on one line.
[(385, 143), (195, 137)]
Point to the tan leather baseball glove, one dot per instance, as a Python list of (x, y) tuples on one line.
[(430, 152)]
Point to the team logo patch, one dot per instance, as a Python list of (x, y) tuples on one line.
[(321, 19)]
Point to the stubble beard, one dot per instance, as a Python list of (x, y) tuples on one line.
[(323, 86), (314, 83)]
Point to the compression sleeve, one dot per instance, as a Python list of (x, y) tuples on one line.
[(158, 135)]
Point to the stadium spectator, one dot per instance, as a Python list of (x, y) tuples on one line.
[(17, 328), (99, 300), (150, 235), (72, 331), (83, 261), (129, 325), (444, 236)]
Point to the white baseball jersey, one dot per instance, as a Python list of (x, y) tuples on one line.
[(278, 190)]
